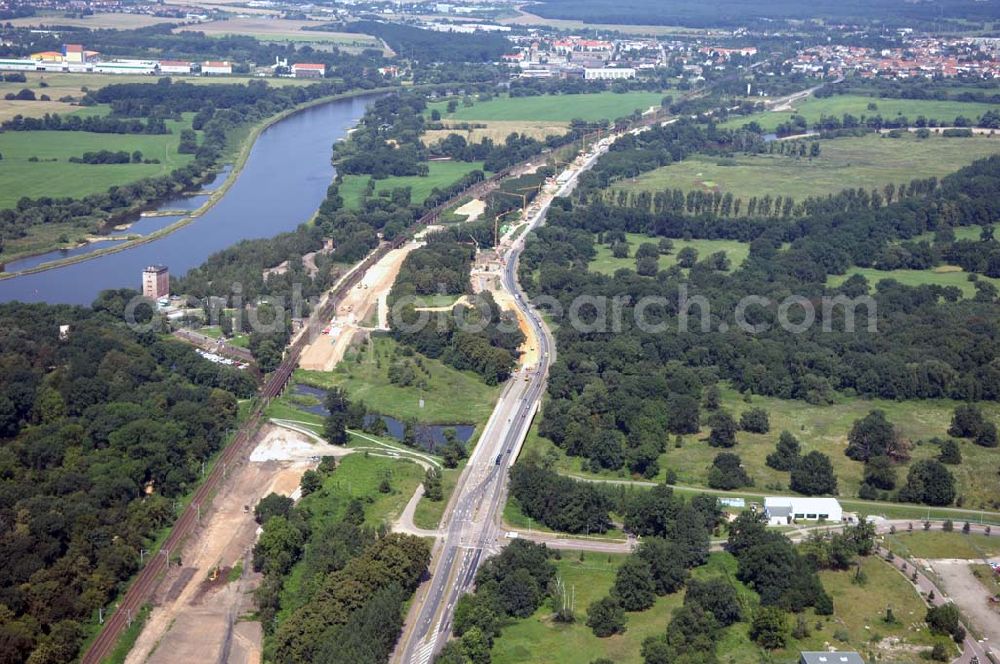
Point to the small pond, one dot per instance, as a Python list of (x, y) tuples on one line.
[(426, 436)]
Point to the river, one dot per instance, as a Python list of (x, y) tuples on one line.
[(282, 184)]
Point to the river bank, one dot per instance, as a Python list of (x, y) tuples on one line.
[(216, 194), (284, 177)]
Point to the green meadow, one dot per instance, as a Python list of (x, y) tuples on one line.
[(945, 275), (844, 163), (554, 108), (943, 111), (606, 263), (441, 174), (820, 428), (857, 623), (53, 175), (450, 396)]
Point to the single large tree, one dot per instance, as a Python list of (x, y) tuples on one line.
[(928, 482), (634, 588), (723, 432), (335, 426), (874, 435), (813, 475), (606, 617), (786, 453)]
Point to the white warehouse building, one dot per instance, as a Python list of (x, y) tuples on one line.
[(785, 510), (608, 73)]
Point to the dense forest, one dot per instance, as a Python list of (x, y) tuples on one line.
[(353, 581), (432, 46), (480, 336), (101, 430), (616, 394), (740, 13)]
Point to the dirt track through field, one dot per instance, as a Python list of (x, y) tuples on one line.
[(195, 618)]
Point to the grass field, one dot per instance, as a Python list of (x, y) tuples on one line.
[(937, 544), (858, 613), (857, 105), (279, 29), (844, 163), (946, 275), (605, 263), (552, 108), (356, 476), (825, 429), (21, 177), (429, 512), (451, 396), (441, 174)]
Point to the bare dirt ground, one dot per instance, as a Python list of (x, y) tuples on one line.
[(326, 351), (968, 592), (472, 210), (497, 130), (195, 618)]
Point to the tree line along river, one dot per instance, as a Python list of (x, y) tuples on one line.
[(282, 184)]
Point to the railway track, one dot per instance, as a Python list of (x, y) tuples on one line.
[(148, 578)]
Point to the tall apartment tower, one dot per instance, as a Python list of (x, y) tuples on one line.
[(155, 282)]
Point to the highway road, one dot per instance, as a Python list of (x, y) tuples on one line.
[(473, 531)]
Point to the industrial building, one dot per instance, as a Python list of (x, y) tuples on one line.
[(155, 282), (785, 510), (308, 70), (210, 68), (175, 67), (125, 67), (608, 73)]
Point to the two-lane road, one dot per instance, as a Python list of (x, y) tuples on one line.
[(473, 530)]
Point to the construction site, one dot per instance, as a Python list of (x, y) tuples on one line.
[(210, 582)]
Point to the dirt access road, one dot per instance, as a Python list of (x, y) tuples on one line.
[(969, 593), (327, 350), (195, 618)]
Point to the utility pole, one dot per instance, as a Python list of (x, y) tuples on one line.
[(100, 614)]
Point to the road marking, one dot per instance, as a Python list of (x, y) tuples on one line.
[(426, 651)]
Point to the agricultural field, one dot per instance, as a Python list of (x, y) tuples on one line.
[(34, 179), (856, 623), (526, 18), (857, 105), (451, 396), (844, 163), (100, 21), (441, 174), (944, 275), (498, 131), (551, 108), (606, 263), (279, 29), (59, 85), (824, 429)]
